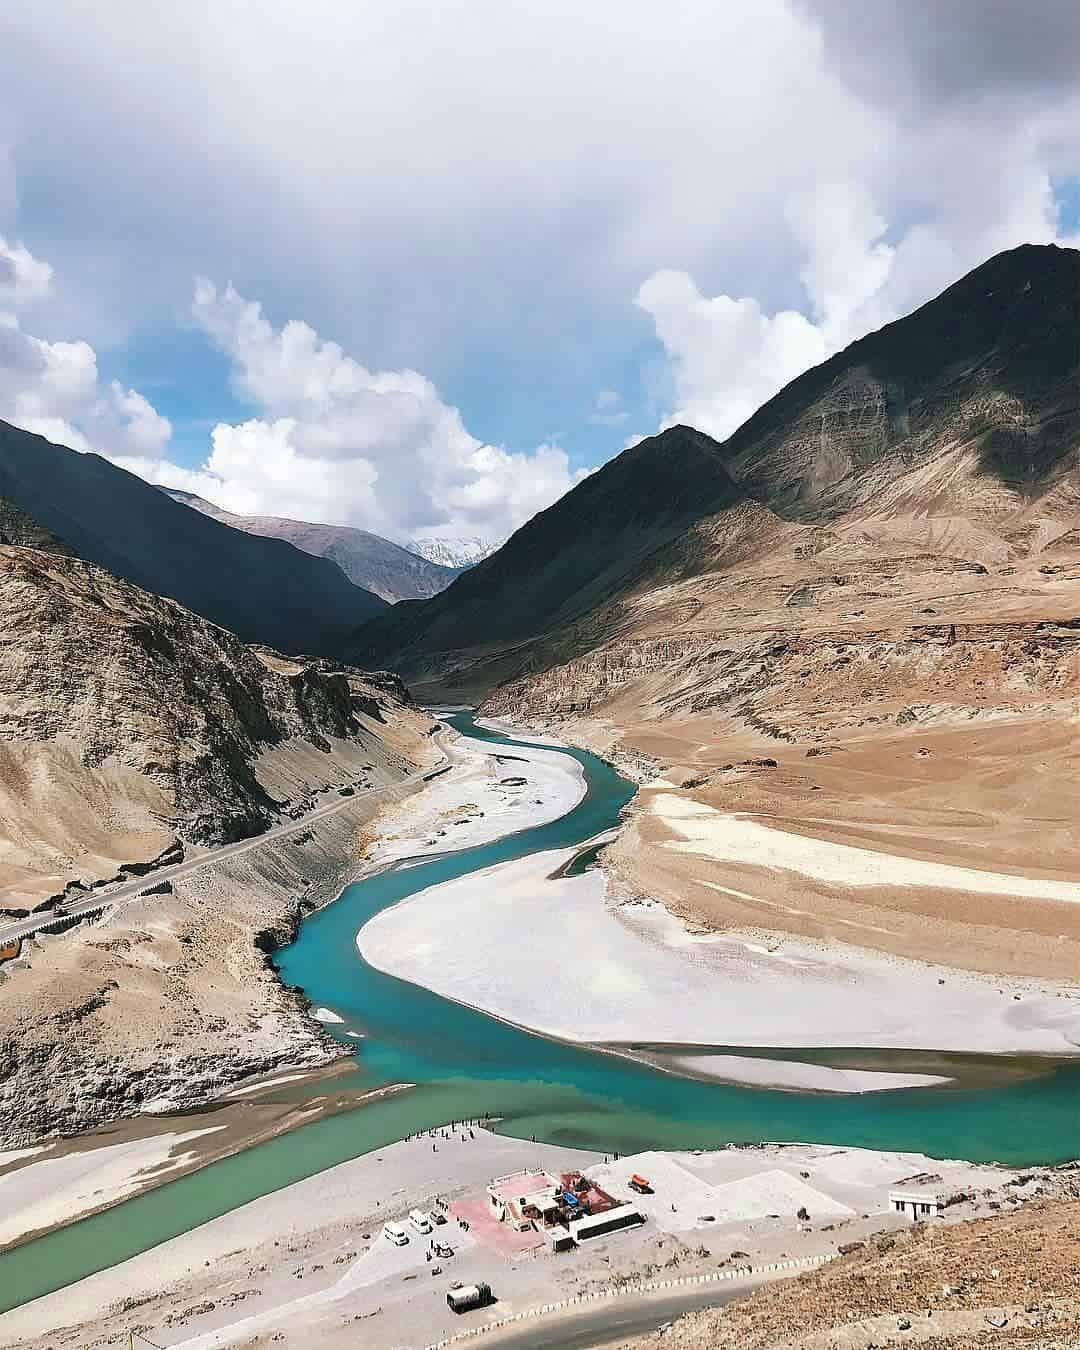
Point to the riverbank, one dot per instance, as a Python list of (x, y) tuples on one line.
[(470, 803), (307, 1263), (54, 1184), (642, 975)]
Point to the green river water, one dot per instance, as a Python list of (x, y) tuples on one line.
[(465, 1065)]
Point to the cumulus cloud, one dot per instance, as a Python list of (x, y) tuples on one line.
[(334, 441), (490, 185), (726, 356), (53, 388), (22, 276)]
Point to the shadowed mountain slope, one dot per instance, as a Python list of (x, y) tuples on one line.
[(264, 590), (590, 546)]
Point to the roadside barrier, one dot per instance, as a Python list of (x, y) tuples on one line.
[(641, 1287)]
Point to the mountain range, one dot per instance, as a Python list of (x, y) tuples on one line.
[(848, 635), (378, 565), (852, 625), (950, 434), (263, 590)]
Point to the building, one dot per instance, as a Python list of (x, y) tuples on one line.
[(537, 1199), (608, 1221), (523, 1198), (920, 1197)]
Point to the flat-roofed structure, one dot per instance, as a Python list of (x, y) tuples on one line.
[(918, 1201), (523, 1196)]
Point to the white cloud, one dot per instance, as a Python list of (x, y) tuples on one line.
[(22, 276), (727, 356), (334, 441), (52, 388), (457, 189)]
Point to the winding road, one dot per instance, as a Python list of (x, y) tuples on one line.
[(24, 928)]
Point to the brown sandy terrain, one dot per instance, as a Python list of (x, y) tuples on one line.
[(1009, 1280), (857, 720)]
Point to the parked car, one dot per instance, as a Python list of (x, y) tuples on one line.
[(419, 1221), (395, 1233)]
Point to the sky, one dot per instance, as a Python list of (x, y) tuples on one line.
[(418, 268)]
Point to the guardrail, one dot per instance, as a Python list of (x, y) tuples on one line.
[(641, 1287)]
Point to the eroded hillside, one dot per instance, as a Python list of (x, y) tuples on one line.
[(135, 731)]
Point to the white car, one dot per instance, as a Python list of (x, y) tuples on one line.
[(395, 1233), (419, 1221)]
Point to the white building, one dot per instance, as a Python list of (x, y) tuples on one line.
[(919, 1202)]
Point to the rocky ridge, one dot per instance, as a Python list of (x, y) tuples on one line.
[(130, 723), (1007, 1280)]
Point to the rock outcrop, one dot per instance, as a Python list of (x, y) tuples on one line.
[(134, 733), (128, 721)]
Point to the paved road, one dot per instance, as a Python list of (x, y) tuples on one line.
[(108, 896), (616, 1320)]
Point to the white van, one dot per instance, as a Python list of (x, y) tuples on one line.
[(419, 1221), (395, 1233)]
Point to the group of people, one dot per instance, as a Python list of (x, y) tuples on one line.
[(464, 1129)]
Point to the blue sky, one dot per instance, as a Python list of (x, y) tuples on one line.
[(511, 237)]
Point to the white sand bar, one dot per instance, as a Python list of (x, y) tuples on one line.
[(732, 838), (474, 803), (640, 976), (57, 1190), (794, 1075)]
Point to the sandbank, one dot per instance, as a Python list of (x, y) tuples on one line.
[(647, 977)]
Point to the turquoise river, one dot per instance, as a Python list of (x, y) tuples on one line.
[(465, 1064)]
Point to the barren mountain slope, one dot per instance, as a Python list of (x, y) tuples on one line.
[(132, 727), (378, 565), (889, 661), (264, 590), (556, 586), (1003, 1281), (950, 435), (129, 722)]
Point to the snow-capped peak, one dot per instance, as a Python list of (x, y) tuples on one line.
[(463, 552)]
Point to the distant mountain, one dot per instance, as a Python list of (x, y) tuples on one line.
[(263, 590), (456, 553), (579, 553), (368, 560), (948, 435)]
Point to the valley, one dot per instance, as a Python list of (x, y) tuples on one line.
[(733, 799)]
